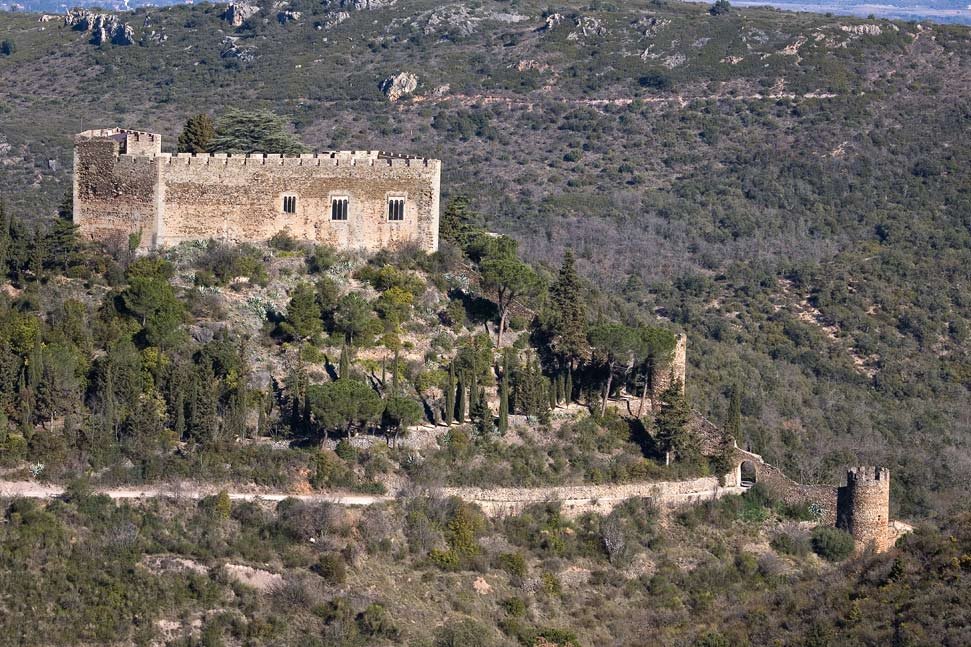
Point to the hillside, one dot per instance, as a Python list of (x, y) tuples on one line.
[(797, 183)]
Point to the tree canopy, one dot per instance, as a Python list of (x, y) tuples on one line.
[(258, 131)]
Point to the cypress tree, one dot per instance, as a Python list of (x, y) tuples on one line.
[(196, 136), (672, 426), (569, 314), (504, 399), (460, 401), (345, 363), (450, 395), (551, 392), (479, 412), (568, 387)]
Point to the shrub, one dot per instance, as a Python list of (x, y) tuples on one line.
[(374, 621), (790, 543), (832, 544), (514, 607), (282, 241), (513, 563), (331, 567), (464, 633)]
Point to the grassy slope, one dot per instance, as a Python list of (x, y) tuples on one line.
[(695, 208)]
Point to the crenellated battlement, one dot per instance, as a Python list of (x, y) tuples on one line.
[(334, 158), (124, 183), (867, 475)]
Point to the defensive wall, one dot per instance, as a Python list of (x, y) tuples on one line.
[(125, 185)]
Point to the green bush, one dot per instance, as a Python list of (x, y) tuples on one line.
[(331, 567), (832, 544), (513, 563)]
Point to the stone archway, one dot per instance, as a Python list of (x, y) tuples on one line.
[(747, 474)]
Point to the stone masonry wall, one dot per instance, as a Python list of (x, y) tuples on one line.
[(114, 197), (579, 499), (241, 198), (864, 508), (124, 184)]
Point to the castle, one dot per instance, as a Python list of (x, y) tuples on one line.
[(126, 188)]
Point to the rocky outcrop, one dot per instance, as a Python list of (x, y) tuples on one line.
[(552, 22), (239, 12), (232, 49), (288, 16), (862, 30), (333, 20), (586, 27), (364, 5), (104, 28), (399, 85)]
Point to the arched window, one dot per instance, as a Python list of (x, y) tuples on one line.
[(396, 209), (289, 204), (338, 207)]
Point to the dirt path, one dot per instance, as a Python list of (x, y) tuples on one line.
[(494, 502)]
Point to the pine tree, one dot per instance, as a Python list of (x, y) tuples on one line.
[(196, 136), (450, 395)]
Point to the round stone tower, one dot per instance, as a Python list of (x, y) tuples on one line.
[(864, 507)]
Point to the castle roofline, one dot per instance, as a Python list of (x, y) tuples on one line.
[(111, 133), (122, 134)]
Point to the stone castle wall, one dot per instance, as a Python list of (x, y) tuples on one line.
[(124, 184)]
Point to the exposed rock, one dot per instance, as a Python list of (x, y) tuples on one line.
[(862, 30), (453, 19), (239, 12), (650, 27), (364, 5), (552, 21), (231, 49), (481, 586), (397, 86), (255, 578), (104, 28), (586, 27), (288, 16), (674, 60), (333, 20), (201, 334)]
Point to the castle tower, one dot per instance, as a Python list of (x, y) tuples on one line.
[(863, 507), (666, 374)]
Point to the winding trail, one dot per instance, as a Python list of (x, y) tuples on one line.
[(493, 501)]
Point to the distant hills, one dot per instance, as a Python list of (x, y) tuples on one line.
[(944, 11)]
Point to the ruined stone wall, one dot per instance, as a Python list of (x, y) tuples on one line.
[(580, 499), (241, 199), (124, 184), (821, 498), (114, 195), (665, 374), (864, 508)]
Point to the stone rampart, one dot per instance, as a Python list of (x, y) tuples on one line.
[(579, 499), (124, 184)]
